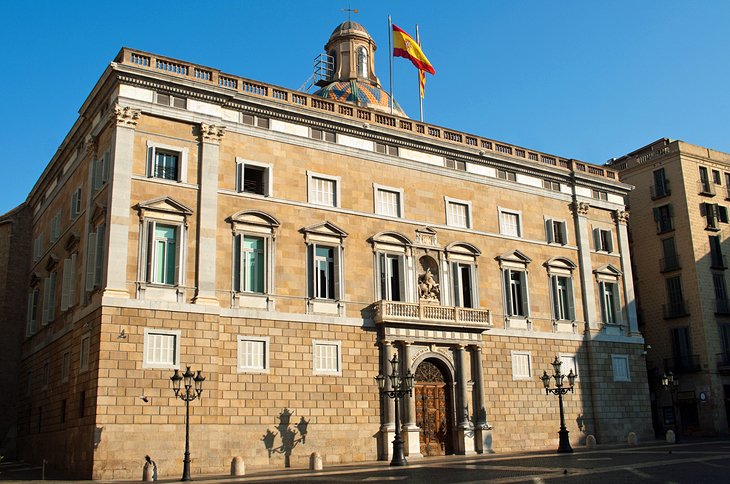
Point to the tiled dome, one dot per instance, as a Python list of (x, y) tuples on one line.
[(349, 25), (360, 93)]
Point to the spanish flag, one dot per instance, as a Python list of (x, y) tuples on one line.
[(405, 46)]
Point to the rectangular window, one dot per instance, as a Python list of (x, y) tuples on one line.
[(326, 357), (162, 253), (166, 99), (660, 188), (569, 363), (388, 202), (509, 223), (717, 260), (464, 287), (84, 353), (324, 271), (620, 367), (714, 214), (161, 348), (663, 217), (75, 203), (506, 175), (253, 177), (65, 366), (681, 348), (251, 263), (718, 281), (675, 299), (515, 288), (563, 305), (610, 302), (68, 285), (599, 195), (323, 135), (392, 280), (253, 354), (716, 177), (252, 120), (100, 172), (551, 185), (727, 186), (705, 187), (323, 190), (670, 262), (386, 149), (458, 213), (55, 231), (37, 247), (32, 319), (603, 240), (556, 231), (166, 165), (455, 164), (95, 258), (521, 366), (49, 299)]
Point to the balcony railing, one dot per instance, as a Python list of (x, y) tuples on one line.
[(670, 263), (706, 187), (723, 362), (660, 191), (431, 314), (683, 364), (722, 306), (675, 309)]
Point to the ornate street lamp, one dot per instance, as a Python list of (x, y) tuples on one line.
[(671, 383), (193, 388), (560, 390), (400, 387)]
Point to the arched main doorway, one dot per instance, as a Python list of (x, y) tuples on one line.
[(434, 415)]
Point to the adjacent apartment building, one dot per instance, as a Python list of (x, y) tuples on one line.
[(679, 227), (288, 245)]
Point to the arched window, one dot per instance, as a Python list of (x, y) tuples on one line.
[(362, 62)]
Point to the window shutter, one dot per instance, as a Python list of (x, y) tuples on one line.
[(571, 302), (72, 278), (549, 231), (66, 284), (178, 255), (564, 232), (151, 161), (617, 304), (556, 299), (337, 255), (105, 167), (525, 294), (722, 213), (90, 260), (238, 271), (239, 177), (402, 277), (656, 214), (455, 275), (46, 299), (98, 263), (507, 291), (72, 211), (311, 276), (383, 276), (670, 210), (96, 174), (28, 319), (597, 239), (602, 297), (703, 209), (609, 238)]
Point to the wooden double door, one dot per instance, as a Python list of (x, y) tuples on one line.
[(434, 414)]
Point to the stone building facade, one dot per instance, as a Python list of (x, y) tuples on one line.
[(680, 229), (288, 244)]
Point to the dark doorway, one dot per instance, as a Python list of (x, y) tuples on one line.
[(434, 415)]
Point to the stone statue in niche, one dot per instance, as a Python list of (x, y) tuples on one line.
[(428, 284)]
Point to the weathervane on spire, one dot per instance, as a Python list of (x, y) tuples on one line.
[(349, 11)]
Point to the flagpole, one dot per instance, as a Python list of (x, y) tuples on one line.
[(390, 57), (418, 77)]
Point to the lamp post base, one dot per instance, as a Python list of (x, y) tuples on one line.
[(564, 445), (399, 457)]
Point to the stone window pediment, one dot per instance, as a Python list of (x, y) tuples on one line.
[(253, 220), (461, 250), (390, 241), (326, 231), (607, 272), (560, 265), (165, 208), (513, 258)]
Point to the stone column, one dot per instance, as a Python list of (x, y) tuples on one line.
[(120, 189), (210, 137), (482, 429), (465, 431), (387, 426), (583, 237), (622, 219), (409, 428)]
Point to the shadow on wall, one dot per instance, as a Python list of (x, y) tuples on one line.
[(289, 436)]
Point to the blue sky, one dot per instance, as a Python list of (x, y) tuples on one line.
[(578, 79)]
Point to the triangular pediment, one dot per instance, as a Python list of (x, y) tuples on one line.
[(608, 270), (165, 205), (325, 228), (514, 256)]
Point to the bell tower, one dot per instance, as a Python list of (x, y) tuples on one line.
[(353, 52)]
